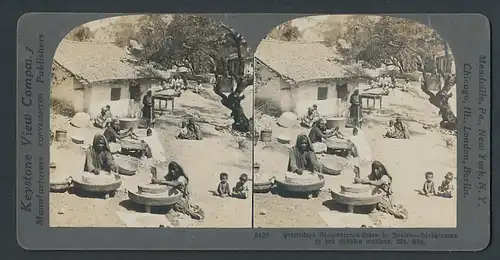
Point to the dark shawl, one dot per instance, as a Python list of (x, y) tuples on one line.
[(99, 160), (304, 160), (355, 108)]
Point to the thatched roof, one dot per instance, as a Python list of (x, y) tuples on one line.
[(94, 62), (301, 61)]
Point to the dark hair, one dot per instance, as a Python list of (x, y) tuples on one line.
[(108, 106), (449, 175), (378, 164), (223, 175), (175, 165), (149, 131), (243, 176), (431, 174)]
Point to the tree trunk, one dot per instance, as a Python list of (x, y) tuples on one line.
[(440, 100), (233, 102)]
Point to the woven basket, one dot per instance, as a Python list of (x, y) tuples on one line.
[(59, 185), (331, 167), (95, 187), (127, 165), (283, 139), (77, 139), (160, 199), (354, 199), (302, 188), (263, 187), (133, 145)]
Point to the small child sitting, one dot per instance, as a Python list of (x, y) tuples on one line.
[(184, 131), (241, 189), (446, 188), (223, 189), (429, 188)]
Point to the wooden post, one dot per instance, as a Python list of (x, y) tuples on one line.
[(147, 208), (350, 208)]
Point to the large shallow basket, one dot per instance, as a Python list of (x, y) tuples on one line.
[(77, 139), (158, 199), (331, 167), (319, 147), (354, 199), (133, 145), (335, 143), (283, 139), (59, 185), (127, 165), (262, 187), (96, 187), (302, 188)]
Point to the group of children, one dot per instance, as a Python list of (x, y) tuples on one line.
[(444, 190), (180, 83), (239, 191), (387, 83), (311, 117)]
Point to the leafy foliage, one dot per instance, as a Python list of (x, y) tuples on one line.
[(194, 42), (202, 45), (408, 45), (80, 34), (285, 32), (389, 41)]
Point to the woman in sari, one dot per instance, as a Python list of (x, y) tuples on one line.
[(302, 157), (148, 109), (309, 119), (104, 118), (190, 131), (355, 108), (382, 180), (98, 157), (178, 179), (401, 129)]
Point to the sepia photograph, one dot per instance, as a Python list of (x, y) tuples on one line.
[(151, 119), (356, 118)]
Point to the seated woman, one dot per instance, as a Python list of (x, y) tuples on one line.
[(382, 180), (190, 131), (104, 118), (402, 131), (177, 178), (391, 131), (319, 132), (311, 117), (98, 157), (302, 157), (112, 134)]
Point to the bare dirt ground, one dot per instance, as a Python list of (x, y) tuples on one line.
[(202, 160), (407, 161)]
